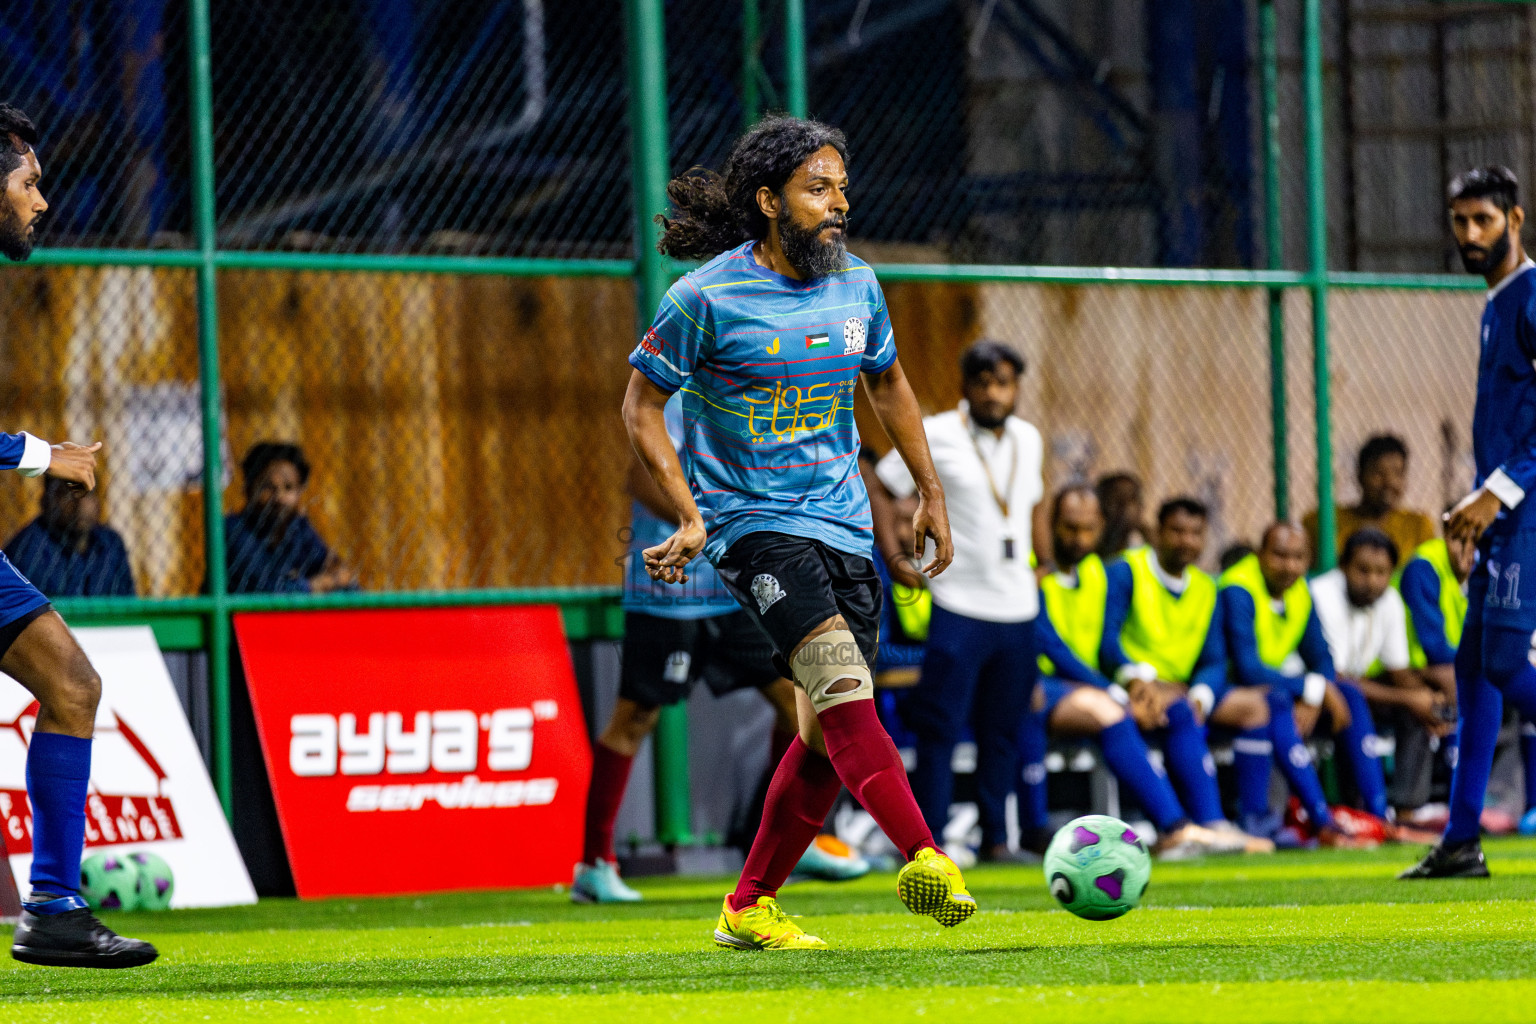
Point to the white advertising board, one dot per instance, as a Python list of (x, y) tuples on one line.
[(149, 787)]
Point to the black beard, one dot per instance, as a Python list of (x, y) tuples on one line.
[(1489, 259), (986, 422), (806, 251), (14, 241)]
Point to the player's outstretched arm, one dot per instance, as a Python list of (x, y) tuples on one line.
[(896, 407), (645, 420), (75, 463)]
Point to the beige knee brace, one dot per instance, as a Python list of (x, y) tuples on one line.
[(823, 661)]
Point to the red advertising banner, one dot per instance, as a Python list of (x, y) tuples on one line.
[(423, 750)]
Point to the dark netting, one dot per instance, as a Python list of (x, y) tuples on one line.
[(106, 85), (479, 126)]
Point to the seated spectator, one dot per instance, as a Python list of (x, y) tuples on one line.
[(1366, 627), (67, 552), (271, 546), (1382, 470), (1124, 509)]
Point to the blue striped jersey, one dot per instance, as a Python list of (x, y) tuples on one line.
[(768, 366)]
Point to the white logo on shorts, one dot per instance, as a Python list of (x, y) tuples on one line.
[(767, 591), (854, 333), (678, 664)]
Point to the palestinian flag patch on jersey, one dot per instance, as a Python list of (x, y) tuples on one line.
[(816, 340)]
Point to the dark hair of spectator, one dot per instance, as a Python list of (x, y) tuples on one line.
[(263, 454), (716, 213), (1233, 554), (1081, 490), (1189, 506), (1379, 447), (1276, 527), (21, 136), (985, 356), (54, 488), (1495, 183), (1109, 481), (1368, 537)]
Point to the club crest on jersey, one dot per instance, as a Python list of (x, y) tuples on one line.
[(854, 333), (767, 591)]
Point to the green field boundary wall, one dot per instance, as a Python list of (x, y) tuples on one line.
[(203, 622)]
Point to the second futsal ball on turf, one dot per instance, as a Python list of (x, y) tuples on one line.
[(156, 884), (109, 881), (1097, 867)]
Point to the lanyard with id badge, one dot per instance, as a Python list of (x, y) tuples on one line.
[(1010, 546)]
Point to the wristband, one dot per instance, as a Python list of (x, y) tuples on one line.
[(1203, 697), (36, 456), (1118, 693), (1313, 687), (1137, 670)]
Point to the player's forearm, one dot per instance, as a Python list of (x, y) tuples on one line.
[(890, 394), (645, 422)]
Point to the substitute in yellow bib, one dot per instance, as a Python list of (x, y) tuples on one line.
[(1162, 641), (1277, 649), (1073, 699)]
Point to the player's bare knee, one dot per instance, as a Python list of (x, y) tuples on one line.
[(1100, 707), (72, 703)]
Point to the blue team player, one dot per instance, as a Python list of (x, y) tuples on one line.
[(767, 341), (38, 651), (1493, 659)]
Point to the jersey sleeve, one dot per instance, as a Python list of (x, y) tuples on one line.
[(1211, 666), (1421, 596), (1068, 665), (1394, 646), (1314, 650), (26, 454), (880, 349), (1117, 605), (1513, 480), (1243, 645), (681, 335)]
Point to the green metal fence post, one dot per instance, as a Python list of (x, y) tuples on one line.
[(1274, 253), (751, 40), (794, 58), (201, 85), (1317, 254), (649, 154)]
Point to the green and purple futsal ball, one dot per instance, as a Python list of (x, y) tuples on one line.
[(127, 881), (1098, 867)]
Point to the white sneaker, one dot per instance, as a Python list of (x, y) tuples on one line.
[(600, 883)]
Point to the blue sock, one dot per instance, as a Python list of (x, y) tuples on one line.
[(1126, 754), (1528, 759), (1032, 795), (1190, 764), (1481, 709), (1252, 753), (1358, 744), (1295, 760), (58, 774)]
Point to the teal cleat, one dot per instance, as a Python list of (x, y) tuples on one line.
[(600, 883), (831, 860)]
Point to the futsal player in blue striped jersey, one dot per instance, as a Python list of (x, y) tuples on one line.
[(767, 342), (1493, 660), (38, 651)]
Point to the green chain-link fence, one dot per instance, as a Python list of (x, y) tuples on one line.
[(403, 235)]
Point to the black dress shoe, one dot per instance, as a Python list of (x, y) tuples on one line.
[(1460, 860), (75, 939)]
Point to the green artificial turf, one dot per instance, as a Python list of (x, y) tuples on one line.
[(1286, 938)]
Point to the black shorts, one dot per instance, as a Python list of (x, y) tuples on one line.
[(664, 658), (790, 585)]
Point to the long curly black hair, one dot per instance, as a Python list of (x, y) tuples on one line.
[(716, 213)]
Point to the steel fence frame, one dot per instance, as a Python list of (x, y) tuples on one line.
[(204, 622)]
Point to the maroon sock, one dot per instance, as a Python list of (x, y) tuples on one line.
[(610, 775), (799, 797), (778, 746), (867, 762)]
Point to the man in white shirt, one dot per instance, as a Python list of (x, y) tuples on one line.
[(980, 665), (1366, 625)]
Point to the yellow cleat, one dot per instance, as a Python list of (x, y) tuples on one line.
[(931, 885), (763, 926)]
